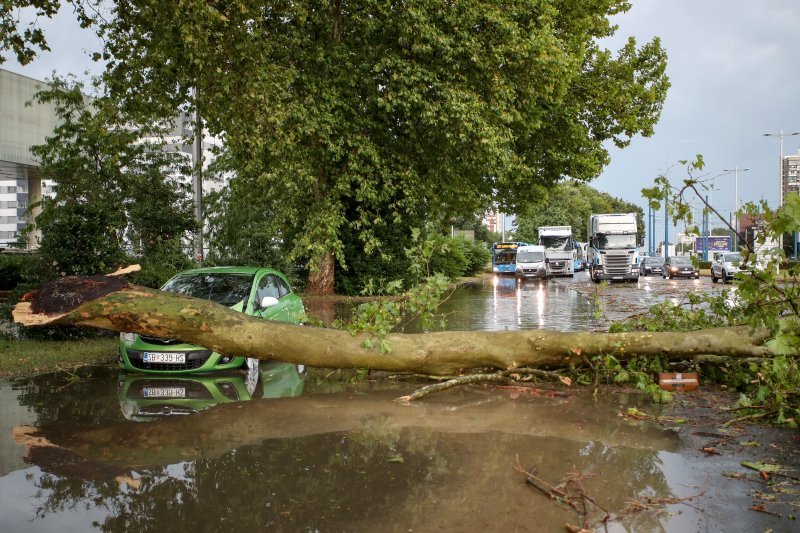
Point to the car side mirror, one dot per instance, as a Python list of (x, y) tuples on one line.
[(267, 301)]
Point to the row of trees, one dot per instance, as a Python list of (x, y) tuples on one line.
[(570, 204), (346, 123)]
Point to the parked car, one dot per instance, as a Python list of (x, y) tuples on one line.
[(260, 292), (651, 265), (726, 265), (680, 266)]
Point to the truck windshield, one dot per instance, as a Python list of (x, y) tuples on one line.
[(616, 241), (530, 257), (556, 243)]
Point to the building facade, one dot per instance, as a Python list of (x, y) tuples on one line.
[(791, 174), (22, 125)]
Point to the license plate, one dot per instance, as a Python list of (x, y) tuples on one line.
[(164, 357), (164, 392)]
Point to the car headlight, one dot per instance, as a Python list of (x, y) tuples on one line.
[(674, 269), (127, 337)]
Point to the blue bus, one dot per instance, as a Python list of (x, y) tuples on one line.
[(504, 256)]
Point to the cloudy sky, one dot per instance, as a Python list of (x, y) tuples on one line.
[(735, 72)]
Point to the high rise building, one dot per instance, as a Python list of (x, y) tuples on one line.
[(791, 174)]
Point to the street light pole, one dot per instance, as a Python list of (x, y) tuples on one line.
[(736, 171)]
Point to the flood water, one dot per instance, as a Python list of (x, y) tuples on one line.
[(274, 451)]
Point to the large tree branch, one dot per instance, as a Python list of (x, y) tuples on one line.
[(118, 306)]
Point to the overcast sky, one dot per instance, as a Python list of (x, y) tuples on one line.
[(734, 66)]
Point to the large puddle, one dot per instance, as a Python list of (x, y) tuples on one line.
[(104, 450)]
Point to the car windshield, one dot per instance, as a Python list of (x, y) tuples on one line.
[(224, 288), (732, 258), (681, 261), (530, 257), (653, 261), (616, 241)]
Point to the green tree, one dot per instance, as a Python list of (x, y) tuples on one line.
[(393, 108), (116, 191), (570, 204)]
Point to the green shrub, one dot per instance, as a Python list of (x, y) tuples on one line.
[(451, 259), (11, 270), (478, 257)]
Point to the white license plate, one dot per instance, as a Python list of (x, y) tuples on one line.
[(164, 392), (164, 357)]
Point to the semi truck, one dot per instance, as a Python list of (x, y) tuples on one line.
[(560, 250), (613, 251)]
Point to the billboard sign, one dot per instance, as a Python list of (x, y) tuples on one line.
[(716, 243)]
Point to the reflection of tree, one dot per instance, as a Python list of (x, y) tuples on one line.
[(363, 465), (372, 478), (80, 399)]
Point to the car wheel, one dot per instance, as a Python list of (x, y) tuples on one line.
[(714, 278), (724, 277), (670, 276)]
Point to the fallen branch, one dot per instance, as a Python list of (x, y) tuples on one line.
[(113, 304), (450, 383)]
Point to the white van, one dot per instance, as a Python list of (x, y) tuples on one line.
[(531, 262)]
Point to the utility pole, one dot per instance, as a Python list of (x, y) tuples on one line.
[(736, 171), (197, 182)]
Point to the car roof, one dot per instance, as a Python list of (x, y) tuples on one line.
[(229, 270)]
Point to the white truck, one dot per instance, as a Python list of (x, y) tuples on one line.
[(559, 248), (613, 248)]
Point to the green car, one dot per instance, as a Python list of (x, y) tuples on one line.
[(260, 292)]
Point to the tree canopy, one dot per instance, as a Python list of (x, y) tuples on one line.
[(118, 190), (570, 204), (359, 115)]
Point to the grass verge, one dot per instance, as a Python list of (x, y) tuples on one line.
[(22, 357)]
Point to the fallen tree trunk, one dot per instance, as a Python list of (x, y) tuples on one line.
[(112, 304)]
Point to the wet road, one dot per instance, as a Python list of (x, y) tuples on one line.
[(567, 304), (103, 450)]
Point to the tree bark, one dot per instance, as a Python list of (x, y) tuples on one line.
[(117, 306)]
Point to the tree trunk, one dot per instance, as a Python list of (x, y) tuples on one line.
[(109, 303), (321, 276)]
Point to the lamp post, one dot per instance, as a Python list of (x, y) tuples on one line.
[(736, 171)]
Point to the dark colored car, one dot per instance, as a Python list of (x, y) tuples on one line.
[(680, 267), (651, 265)]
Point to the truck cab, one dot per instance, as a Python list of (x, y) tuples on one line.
[(613, 250)]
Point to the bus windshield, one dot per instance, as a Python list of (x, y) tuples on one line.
[(616, 241), (505, 257)]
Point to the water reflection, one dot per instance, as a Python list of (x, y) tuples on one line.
[(354, 462), (503, 303), (146, 397)]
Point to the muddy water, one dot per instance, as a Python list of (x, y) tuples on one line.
[(350, 461), (107, 451)]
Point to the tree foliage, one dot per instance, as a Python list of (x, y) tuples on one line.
[(766, 296), (570, 204), (361, 114), (119, 190)]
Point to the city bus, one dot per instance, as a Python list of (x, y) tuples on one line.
[(504, 256)]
